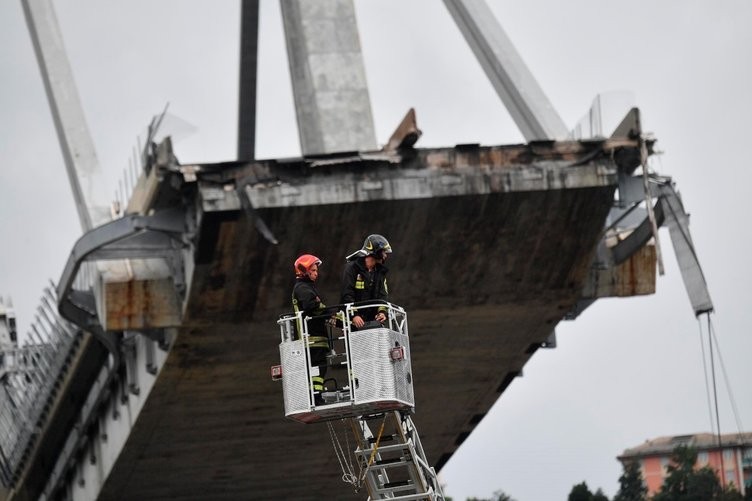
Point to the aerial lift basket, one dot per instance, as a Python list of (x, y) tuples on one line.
[(367, 371)]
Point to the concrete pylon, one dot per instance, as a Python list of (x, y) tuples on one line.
[(328, 76), (514, 83), (75, 141)]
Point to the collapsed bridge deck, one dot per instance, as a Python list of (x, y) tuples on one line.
[(492, 248)]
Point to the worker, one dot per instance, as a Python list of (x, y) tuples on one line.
[(306, 298), (364, 280)]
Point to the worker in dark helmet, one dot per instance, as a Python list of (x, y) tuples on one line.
[(364, 280), (306, 298)]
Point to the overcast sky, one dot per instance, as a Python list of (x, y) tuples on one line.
[(627, 369)]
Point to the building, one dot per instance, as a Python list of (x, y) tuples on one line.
[(733, 457)]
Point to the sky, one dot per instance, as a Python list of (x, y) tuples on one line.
[(626, 370)]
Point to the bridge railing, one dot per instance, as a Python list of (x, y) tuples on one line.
[(29, 379)]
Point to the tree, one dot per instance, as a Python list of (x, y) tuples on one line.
[(731, 494), (580, 492), (684, 483), (599, 496), (496, 496), (631, 487)]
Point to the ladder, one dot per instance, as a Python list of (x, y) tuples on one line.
[(392, 457)]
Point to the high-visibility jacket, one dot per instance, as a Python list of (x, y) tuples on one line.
[(359, 285), (306, 298)]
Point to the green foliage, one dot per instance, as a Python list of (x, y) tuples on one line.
[(496, 496), (682, 483), (685, 483), (731, 494), (580, 492), (631, 487), (599, 496)]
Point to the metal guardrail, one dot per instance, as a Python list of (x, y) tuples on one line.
[(30, 378), (31, 375)]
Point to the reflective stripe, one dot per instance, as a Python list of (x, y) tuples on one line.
[(318, 342), (317, 383), (298, 322), (360, 284)]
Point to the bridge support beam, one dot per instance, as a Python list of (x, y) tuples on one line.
[(249, 14), (328, 77), (514, 83), (76, 143), (107, 418)]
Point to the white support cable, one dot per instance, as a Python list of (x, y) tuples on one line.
[(705, 374), (715, 398), (734, 409)]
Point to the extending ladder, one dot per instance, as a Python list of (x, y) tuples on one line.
[(392, 457)]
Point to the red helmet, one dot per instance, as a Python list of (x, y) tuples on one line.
[(304, 263)]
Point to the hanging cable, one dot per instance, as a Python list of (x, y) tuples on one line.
[(348, 471), (705, 373), (726, 379), (715, 397)]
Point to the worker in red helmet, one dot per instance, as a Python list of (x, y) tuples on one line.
[(306, 298), (364, 280)]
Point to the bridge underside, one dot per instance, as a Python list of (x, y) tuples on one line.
[(485, 279)]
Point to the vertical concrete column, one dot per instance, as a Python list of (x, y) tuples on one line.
[(514, 83), (328, 76), (249, 23), (75, 141)]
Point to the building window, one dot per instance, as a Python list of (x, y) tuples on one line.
[(730, 477), (728, 455), (702, 458), (664, 464), (747, 457)]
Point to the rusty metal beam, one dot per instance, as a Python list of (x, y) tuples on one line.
[(406, 134), (141, 305)]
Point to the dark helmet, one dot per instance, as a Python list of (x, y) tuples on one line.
[(303, 264), (373, 245)]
